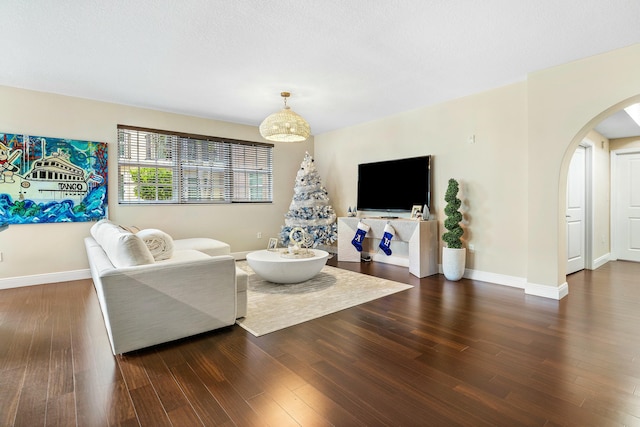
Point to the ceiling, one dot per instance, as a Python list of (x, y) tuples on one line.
[(345, 62), (618, 125)]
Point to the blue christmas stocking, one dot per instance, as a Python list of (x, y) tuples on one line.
[(359, 237), (385, 242)]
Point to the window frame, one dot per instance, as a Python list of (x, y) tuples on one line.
[(204, 169)]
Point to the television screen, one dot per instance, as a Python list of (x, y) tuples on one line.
[(394, 185)]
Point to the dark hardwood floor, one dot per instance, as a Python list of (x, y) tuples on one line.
[(440, 354)]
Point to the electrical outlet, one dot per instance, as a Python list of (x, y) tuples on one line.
[(259, 235), (472, 247)]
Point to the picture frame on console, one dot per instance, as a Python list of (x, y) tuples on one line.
[(416, 212), (273, 244)]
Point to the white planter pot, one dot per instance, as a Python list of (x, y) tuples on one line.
[(453, 261)]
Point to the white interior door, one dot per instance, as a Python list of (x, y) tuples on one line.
[(576, 200), (627, 239)]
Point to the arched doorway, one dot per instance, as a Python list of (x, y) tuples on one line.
[(599, 199), (563, 104)]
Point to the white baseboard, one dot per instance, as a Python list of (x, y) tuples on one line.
[(498, 279), (41, 279), (600, 261), (66, 276), (495, 278), (545, 291)]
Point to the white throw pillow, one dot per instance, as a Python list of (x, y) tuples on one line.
[(95, 228), (123, 248), (159, 243)]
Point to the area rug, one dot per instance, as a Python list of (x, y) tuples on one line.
[(271, 306)]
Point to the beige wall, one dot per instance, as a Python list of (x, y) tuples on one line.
[(601, 189), (492, 171), (624, 143), (48, 248), (564, 103), (514, 177)]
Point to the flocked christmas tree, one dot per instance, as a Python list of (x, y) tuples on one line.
[(310, 208)]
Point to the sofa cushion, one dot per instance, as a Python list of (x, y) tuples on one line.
[(160, 244), (242, 278), (123, 248), (185, 255), (206, 245)]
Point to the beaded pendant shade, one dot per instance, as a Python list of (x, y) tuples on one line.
[(285, 125)]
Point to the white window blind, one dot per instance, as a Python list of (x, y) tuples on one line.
[(157, 166)]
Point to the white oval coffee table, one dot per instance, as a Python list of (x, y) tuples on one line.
[(271, 266)]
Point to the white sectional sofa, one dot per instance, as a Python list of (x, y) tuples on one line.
[(153, 289)]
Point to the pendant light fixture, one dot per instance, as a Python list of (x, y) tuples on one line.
[(285, 125)]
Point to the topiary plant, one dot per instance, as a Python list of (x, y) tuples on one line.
[(452, 223)]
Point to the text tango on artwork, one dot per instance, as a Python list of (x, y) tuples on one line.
[(51, 180)]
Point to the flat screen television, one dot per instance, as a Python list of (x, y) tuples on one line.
[(394, 185)]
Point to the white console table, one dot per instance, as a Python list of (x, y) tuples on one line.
[(419, 237)]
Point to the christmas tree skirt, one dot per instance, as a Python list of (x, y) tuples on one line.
[(273, 306)]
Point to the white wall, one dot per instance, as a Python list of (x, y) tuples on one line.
[(34, 249)]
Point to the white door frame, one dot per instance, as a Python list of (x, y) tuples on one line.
[(614, 205), (589, 231)]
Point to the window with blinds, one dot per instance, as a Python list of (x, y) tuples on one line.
[(156, 166)]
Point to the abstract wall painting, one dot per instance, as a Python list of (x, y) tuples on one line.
[(49, 180)]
